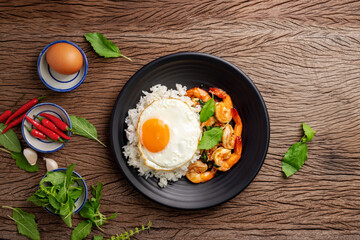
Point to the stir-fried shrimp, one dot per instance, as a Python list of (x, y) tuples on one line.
[(198, 93), (197, 172), (229, 134), (210, 122), (228, 137), (222, 109), (223, 157), (238, 123)]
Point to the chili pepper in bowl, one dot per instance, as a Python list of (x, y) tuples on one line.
[(5, 115), (46, 123), (24, 108), (13, 123), (36, 133), (58, 123), (46, 131)]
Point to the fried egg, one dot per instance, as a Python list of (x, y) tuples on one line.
[(169, 133)]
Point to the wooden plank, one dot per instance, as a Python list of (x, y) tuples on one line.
[(302, 55)]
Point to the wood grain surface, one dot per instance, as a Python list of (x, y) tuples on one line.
[(302, 55)]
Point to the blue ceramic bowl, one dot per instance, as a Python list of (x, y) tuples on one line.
[(40, 145), (56, 81), (80, 202)]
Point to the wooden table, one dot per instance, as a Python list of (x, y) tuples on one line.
[(302, 55)]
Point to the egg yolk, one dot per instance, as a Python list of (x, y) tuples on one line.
[(155, 135)]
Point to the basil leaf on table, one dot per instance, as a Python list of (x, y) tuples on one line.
[(294, 158), (297, 154), (98, 237), (81, 231), (104, 47), (210, 138), (82, 127), (22, 163), (208, 110), (308, 133), (9, 140), (25, 223)]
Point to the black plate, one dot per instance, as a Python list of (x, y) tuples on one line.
[(197, 70)]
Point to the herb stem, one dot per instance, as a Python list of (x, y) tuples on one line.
[(7, 151), (126, 57)]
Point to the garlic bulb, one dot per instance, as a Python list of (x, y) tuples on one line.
[(50, 164), (31, 156)]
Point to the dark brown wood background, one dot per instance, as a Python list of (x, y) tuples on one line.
[(302, 55)]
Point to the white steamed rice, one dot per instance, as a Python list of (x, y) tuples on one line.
[(131, 150)]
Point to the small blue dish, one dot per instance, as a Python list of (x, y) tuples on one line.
[(40, 145), (79, 202), (56, 81)]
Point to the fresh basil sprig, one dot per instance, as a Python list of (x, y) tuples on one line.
[(210, 138), (208, 110), (58, 193), (91, 212), (82, 127), (25, 223), (104, 47), (297, 154)]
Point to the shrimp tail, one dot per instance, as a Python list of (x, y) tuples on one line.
[(218, 92), (238, 123)]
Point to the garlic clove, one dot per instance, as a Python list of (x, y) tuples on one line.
[(30, 155), (50, 164)]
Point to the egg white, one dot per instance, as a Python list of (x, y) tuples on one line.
[(185, 132)]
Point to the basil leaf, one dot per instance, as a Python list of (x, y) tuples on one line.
[(55, 178), (98, 237), (81, 231), (80, 126), (9, 140), (96, 192), (54, 203), (207, 111), (103, 47), (210, 138), (308, 133), (38, 201), (65, 212), (69, 173), (61, 196), (112, 216), (75, 193), (294, 158), (22, 163), (25, 223)]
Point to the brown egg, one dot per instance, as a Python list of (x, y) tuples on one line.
[(64, 58)]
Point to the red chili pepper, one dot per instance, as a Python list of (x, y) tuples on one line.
[(24, 108), (51, 126), (36, 133), (14, 123), (58, 123), (5, 115), (46, 131)]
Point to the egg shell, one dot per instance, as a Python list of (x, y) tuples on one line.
[(64, 58)]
